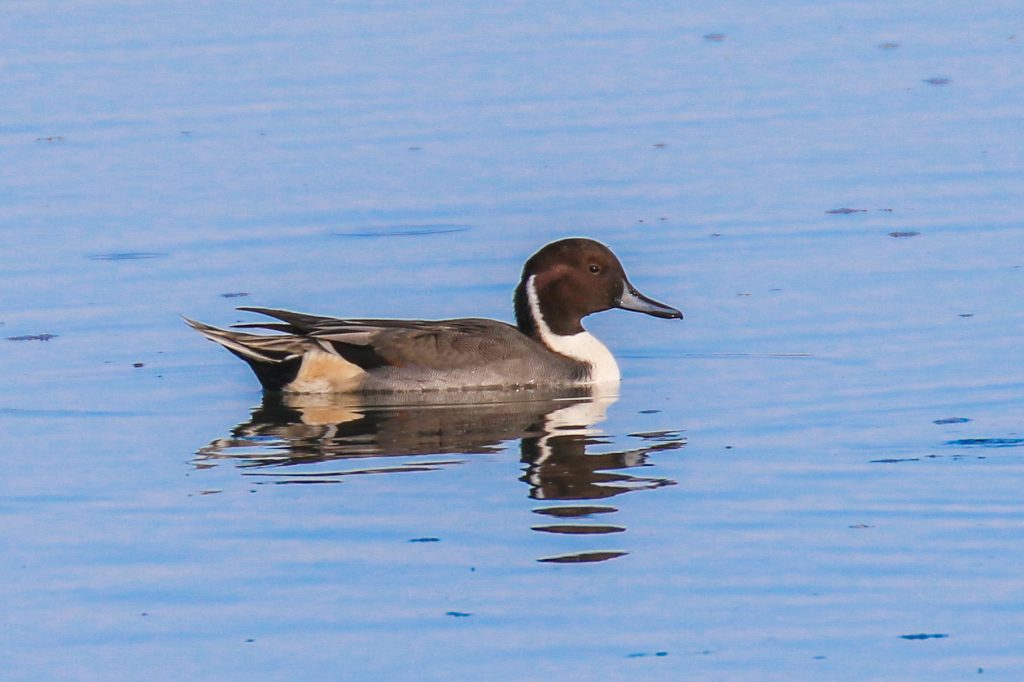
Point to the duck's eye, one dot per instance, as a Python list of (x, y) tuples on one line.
[(595, 268)]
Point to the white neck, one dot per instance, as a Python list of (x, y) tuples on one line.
[(582, 346)]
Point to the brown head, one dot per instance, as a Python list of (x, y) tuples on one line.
[(569, 279)]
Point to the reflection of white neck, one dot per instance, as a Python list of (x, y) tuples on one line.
[(583, 346), (578, 419)]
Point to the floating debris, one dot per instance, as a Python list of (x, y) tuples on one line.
[(458, 614), (137, 365), (642, 654), (846, 211), (951, 420), (714, 37), (235, 294), (894, 460), (425, 540), (938, 80), (51, 138), (903, 234), (888, 46)]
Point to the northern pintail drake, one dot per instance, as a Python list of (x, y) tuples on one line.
[(561, 284)]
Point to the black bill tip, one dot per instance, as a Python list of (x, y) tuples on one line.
[(632, 299)]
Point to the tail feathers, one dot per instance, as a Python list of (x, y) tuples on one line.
[(276, 360), (296, 322), (253, 347)]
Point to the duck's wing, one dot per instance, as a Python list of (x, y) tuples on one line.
[(451, 344), (432, 344)]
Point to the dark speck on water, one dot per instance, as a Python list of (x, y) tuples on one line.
[(714, 37), (908, 233), (888, 46), (32, 337), (987, 442), (649, 411), (924, 636), (952, 420), (458, 614), (126, 255), (895, 460), (235, 294), (938, 80), (845, 211), (657, 435), (425, 540), (137, 364)]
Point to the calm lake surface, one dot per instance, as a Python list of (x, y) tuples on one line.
[(818, 474)]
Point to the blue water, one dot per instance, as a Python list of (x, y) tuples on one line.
[(769, 495)]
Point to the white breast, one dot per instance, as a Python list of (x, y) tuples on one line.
[(583, 346)]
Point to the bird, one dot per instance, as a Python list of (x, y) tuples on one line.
[(561, 283)]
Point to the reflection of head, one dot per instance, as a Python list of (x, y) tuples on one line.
[(555, 430), (324, 438)]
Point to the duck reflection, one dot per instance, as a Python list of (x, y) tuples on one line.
[(556, 433)]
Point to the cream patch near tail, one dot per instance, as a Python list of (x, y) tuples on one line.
[(323, 372)]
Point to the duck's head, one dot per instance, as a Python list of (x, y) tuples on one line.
[(571, 278)]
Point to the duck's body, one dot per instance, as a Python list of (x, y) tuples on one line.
[(561, 283)]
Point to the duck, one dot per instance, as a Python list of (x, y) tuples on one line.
[(547, 347)]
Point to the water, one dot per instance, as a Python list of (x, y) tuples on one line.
[(769, 495)]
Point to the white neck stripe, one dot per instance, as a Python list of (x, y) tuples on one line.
[(583, 346)]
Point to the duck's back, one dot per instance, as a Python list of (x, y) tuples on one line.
[(323, 354)]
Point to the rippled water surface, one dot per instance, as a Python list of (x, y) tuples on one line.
[(816, 475)]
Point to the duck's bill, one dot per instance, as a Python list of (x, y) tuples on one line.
[(632, 299)]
